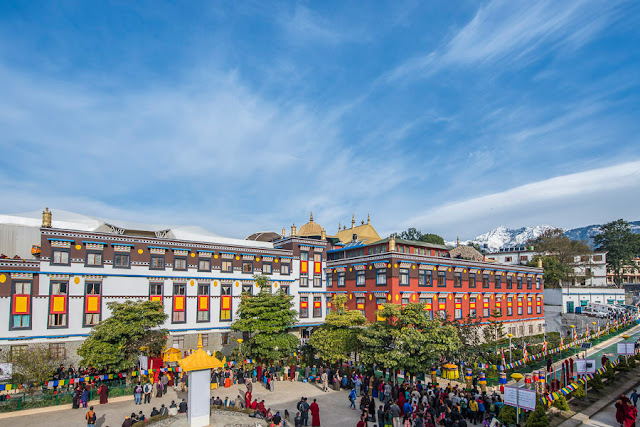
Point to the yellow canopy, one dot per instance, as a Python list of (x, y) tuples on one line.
[(171, 355), (450, 366), (199, 360)]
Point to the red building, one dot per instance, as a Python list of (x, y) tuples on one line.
[(403, 271)]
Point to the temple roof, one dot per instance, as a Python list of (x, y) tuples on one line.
[(365, 231), (311, 228)]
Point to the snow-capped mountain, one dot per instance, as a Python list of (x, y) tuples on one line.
[(504, 237)]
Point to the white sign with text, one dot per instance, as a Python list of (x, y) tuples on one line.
[(526, 399)]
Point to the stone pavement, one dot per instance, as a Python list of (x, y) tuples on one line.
[(334, 408)]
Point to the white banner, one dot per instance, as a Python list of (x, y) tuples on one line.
[(6, 371), (526, 399)]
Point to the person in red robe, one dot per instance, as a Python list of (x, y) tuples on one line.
[(401, 401), (254, 404), (620, 412), (630, 414), (315, 414), (103, 391), (261, 408), (247, 399)]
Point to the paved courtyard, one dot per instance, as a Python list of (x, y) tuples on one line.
[(334, 408)]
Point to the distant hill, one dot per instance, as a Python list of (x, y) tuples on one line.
[(504, 237)]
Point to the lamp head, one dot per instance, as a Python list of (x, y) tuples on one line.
[(517, 376)]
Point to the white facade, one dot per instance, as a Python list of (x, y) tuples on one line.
[(570, 298), (134, 283), (590, 269)]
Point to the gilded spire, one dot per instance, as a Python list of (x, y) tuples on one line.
[(323, 235), (283, 231), (199, 341), (368, 219), (46, 218), (339, 227), (353, 220), (293, 229), (311, 217), (392, 243)]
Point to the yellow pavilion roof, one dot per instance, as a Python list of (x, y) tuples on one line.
[(200, 360), (366, 233)]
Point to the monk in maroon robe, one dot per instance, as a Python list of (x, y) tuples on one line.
[(315, 414), (103, 391)]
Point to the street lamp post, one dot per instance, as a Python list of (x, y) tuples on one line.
[(510, 349), (517, 377), (240, 340)]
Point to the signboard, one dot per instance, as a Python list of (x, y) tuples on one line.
[(625, 348), (6, 371), (585, 366), (586, 345), (526, 399)]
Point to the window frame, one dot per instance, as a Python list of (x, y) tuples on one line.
[(485, 281), (403, 274), (61, 250), (121, 254), (199, 294), (457, 280), (497, 282), (288, 268), (443, 275), (472, 281), (342, 279), (186, 263), (202, 260), (12, 326), (319, 312), (93, 252), (228, 262), (153, 257), (250, 264), (84, 313), (361, 274), (270, 268), (381, 272), (65, 324), (306, 312)]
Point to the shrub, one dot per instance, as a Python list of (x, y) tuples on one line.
[(609, 374), (507, 415), (538, 418), (596, 382), (632, 362), (561, 403), (579, 392), (623, 366)]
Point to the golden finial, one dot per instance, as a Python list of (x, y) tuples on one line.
[(353, 220), (283, 231), (540, 262), (339, 227), (323, 235), (199, 341), (368, 219), (46, 218), (392, 243), (293, 229), (457, 241), (362, 222), (311, 217)]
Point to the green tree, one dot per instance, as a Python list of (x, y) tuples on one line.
[(554, 270), (408, 339), (561, 403), (621, 245), (117, 341), (267, 318), (567, 253), (507, 415), (417, 236), (494, 331), (33, 366), (538, 418), (339, 336)]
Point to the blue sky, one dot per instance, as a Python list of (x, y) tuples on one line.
[(244, 116)]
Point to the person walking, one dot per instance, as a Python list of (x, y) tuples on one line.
[(634, 398), (315, 414), (325, 381), (90, 417), (352, 399), (297, 421), (137, 394), (84, 397), (103, 392), (147, 389), (395, 413), (358, 384), (473, 411), (304, 411)]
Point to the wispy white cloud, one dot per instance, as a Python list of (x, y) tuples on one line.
[(305, 25), (568, 200), (512, 33)]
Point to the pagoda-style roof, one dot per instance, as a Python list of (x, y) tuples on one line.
[(200, 360)]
